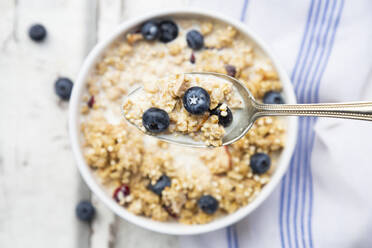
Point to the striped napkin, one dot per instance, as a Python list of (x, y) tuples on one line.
[(325, 199)]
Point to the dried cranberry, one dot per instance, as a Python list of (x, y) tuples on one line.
[(192, 58), (231, 70), (170, 211), (124, 189), (91, 102)]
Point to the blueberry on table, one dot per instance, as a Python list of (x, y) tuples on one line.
[(195, 40), (37, 32), (196, 100), (224, 114), (208, 204), (155, 120), (159, 186), (168, 31), (150, 30), (273, 97), (63, 88), (260, 163), (85, 211)]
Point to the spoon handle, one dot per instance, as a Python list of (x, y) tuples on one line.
[(352, 110)]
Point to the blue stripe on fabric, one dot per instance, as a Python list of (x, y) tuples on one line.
[(299, 56), (306, 154), (337, 22), (302, 84), (302, 228), (236, 237), (306, 123), (307, 48), (228, 237), (297, 81), (281, 206), (283, 188), (244, 11), (303, 144), (316, 98), (309, 127), (310, 215)]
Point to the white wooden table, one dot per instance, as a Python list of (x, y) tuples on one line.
[(39, 182)]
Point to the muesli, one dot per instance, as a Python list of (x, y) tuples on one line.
[(168, 182)]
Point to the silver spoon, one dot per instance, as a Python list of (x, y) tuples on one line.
[(252, 110)]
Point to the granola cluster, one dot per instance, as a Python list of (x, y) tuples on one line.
[(120, 154)]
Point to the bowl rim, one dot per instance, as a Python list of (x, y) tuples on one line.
[(169, 227)]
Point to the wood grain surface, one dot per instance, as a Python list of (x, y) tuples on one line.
[(39, 182)]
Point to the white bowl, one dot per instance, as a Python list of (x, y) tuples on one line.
[(172, 227)]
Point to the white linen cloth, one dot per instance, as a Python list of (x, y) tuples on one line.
[(325, 199)]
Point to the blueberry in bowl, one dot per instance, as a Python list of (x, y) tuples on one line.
[(195, 40), (150, 30), (168, 31), (260, 163), (273, 97)]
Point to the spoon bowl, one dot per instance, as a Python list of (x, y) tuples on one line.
[(251, 110), (243, 117)]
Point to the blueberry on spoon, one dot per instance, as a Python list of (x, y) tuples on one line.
[(155, 120), (225, 116), (196, 100)]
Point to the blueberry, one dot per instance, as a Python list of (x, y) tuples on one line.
[(168, 31), (37, 32), (260, 163), (196, 100), (85, 211), (155, 120), (208, 204), (195, 40), (63, 88), (150, 30), (225, 117), (159, 186), (273, 97)]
